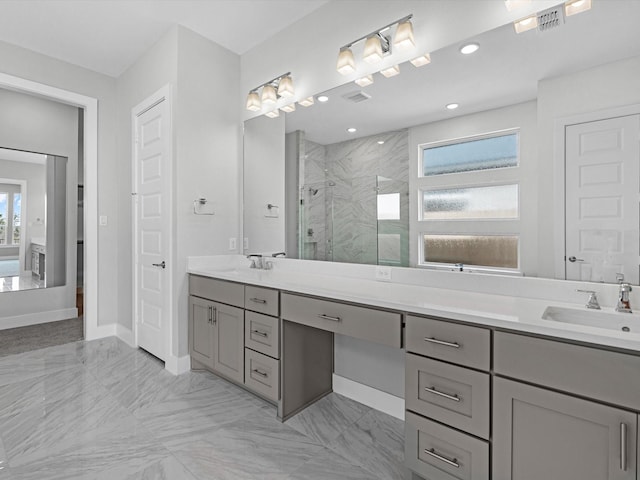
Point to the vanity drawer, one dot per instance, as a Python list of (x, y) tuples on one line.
[(262, 374), (361, 322), (449, 394), (261, 333), (217, 290), (261, 300), (451, 342), (599, 374), (438, 452)]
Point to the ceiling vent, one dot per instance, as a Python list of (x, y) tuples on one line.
[(550, 18), (356, 97)]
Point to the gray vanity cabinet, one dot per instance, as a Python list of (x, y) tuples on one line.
[(201, 339), (541, 434), (216, 326)]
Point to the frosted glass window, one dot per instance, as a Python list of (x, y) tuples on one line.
[(499, 201), (471, 155), (389, 206), (498, 251), (4, 209)]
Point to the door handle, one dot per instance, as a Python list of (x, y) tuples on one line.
[(573, 259), (623, 447), (161, 265)]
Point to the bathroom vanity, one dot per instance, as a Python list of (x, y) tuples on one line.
[(492, 390)]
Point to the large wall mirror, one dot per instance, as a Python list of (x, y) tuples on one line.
[(535, 173), (33, 201)]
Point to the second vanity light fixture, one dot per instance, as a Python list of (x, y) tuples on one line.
[(377, 45), (281, 86)]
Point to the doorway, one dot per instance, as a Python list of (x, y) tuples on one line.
[(601, 204), (152, 223)]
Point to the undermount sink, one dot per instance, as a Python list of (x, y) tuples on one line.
[(622, 322)]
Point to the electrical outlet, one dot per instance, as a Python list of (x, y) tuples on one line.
[(232, 243), (383, 274), (103, 220)]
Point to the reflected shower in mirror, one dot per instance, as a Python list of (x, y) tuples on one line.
[(32, 220)]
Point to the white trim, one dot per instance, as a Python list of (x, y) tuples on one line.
[(163, 94), (125, 334), (101, 331), (177, 365), (38, 318), (371, 397), (90, 106), (559, 160)]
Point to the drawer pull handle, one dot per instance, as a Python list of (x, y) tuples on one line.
[(623, 447), (259, 372), (455, 398), (258, 332), (442, 342), (432, 452), (258, 300), (329, 317)]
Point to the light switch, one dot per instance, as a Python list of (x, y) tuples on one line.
[(103, 220)]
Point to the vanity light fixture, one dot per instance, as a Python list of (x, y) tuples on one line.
[(452, 106), (306, 102), (403, 38), (469, 48), (377, 45), (281, 86), (289, 108), (273, 113), (421, 60), (323, 98), (352, 130), (364, 81), (269, 95), (253, 102), (513, 4), (525, 24), (391, 71), (576, 6), (346, 61)]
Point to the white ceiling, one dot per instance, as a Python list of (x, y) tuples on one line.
[(505, 71), (108, 36)]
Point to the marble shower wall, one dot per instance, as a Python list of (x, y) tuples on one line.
[(343, 213)]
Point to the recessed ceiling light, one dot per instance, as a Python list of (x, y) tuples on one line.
[(273, 113), (576, 6), (323, 98), (513, 4), (289, 108), (452, 106), (380, 142), (469, 48), (351, 130)]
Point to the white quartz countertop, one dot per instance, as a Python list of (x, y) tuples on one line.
[(510, 312)]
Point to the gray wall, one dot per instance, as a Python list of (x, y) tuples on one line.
[(38, 125)]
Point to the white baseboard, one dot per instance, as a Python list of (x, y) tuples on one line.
[(371, 397), (37, 318), (177, 365), (97, 332), (125, 334)]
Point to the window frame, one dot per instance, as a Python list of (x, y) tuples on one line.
[(469, 179)]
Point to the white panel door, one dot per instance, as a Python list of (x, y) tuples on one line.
[(152, 228), (602, 184)]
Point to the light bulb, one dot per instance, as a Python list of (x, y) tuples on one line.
[(403, 39), (372, 50), (253, 102), (346, 62)]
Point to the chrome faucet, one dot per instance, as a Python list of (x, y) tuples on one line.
[(279, 254), (624, 302), (592, 302), (256, 261)]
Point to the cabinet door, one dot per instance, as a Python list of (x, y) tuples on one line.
[(228, 352), (539, 434), (201, 330)]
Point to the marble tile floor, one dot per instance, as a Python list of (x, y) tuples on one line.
[(33, 337), (102, 410), (21, 282)]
